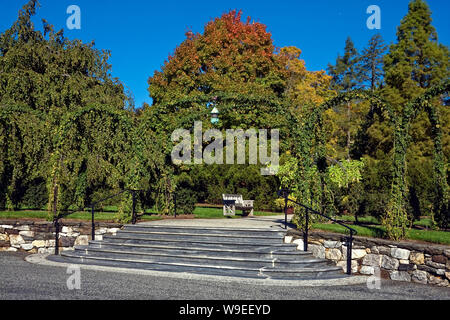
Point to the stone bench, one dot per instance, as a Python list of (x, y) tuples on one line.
[(233, 202)]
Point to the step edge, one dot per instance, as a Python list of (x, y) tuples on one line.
[(262, 269), (199, 257)]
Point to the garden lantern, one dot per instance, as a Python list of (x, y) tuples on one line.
[(215, 116)]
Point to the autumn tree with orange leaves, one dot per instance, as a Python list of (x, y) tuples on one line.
[(230, 55)]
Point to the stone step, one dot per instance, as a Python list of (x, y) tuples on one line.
[(187, 236), (297, 274), (277, 252), (202, 260), (251, 253), (253, 232), (214, 242)]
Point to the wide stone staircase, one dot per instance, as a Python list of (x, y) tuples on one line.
[(249, 253)]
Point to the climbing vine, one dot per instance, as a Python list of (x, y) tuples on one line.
[(313, 161)]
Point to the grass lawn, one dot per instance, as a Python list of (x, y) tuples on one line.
[(374, 230), (441, 237), (108, 214)]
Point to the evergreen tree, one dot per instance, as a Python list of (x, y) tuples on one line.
[(371, 62), (416, 62), (345, 71), (346, 78)]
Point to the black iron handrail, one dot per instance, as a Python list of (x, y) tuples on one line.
[(92, 207), (348, 240)]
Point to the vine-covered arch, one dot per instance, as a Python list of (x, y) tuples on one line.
[(20, 148), (396, 217), (126, 172), (395, 220), (311, 139), (237, 110)]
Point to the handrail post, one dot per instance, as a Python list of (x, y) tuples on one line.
[(93, 223), (56, 224), (305, 232), (133, 208), (349, 253), (175, 203), (286, 195)]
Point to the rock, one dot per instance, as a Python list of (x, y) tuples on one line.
[(16, 240), (318, 251), (398, 253), (440, 272), (426, 268), (447, 253), (38, 243), (343, 265), (46, 250), (374, 250), (436, 280), (104, 230), (99, 237), (419, 276), (406, 267), (444, 283), (389, 263), (82, 241), (384, 250), (4, 237), (403, 261), (29, 234), (50, 243), (332, 244), (113, 231), (66, 230), (287, 239), (6, 226), (373, 260), (23, 228), (367, 270), (333, 254), (10, 249), (447, 275), (356, 253), (400, 276), (27, 246), (66, 241), (368, 251), (440, 259), (417, 258), (435, 265), (11, 231), (300, 244)]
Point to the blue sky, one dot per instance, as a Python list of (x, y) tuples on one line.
[(142, 33)]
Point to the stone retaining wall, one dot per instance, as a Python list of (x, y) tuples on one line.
[(399, 261), (39, 236)]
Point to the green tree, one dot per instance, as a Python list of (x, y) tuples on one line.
[(346, 77), (371, 62), (63, 117), (415, 63)]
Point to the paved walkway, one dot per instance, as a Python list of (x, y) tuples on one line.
[(248, 222), (23, 280)]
